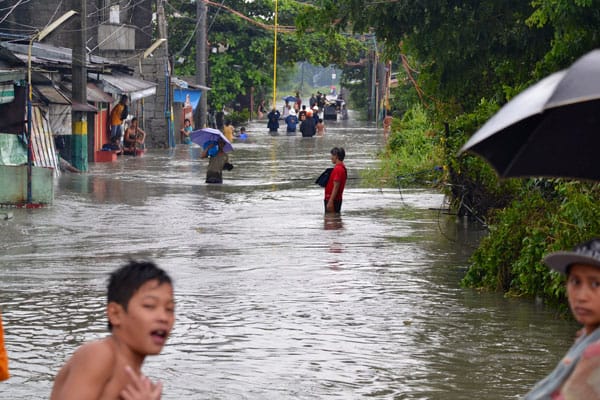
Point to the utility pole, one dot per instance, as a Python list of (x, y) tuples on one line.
[(162, 34), (79, 142), (201, 62)]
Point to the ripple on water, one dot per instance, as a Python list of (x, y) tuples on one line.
[(274, 299)]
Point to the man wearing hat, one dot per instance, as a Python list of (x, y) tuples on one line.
[(316, 114), (577, 376), (291, 120)]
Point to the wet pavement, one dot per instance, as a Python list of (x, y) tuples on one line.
[(274, 299)]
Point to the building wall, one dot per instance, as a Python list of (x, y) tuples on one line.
[(127, 49), (156, 124)]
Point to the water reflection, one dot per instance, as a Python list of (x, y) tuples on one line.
[(275, 300), (332, 222)]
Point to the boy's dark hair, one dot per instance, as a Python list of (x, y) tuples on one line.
[(339, 152), (123, 98), (126, 280)]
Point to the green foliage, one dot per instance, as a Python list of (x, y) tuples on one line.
[(239, 118), (447, 39), (545, 216), (574, 26), (245, 57), (471, 179), (412, 153)]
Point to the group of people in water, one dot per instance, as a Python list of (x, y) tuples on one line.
[(309, 120)]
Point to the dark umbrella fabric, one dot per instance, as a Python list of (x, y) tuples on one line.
[(552, 129), (201, 136), (290, 99)]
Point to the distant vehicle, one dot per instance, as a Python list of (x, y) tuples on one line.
[(334, 106)]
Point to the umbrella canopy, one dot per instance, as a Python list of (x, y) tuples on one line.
[(290, 99), (204, 135), (551, 129)]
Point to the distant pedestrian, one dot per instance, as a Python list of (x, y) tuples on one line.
[(320, 127), (312, 101), (291, 122), (217, 161), (243, 135), (118, 114), (337, 181), (141, 314), (228, 131), (261, 109), (302, 114), (298, 102), (273, 120), (185, 131), (307, 127)]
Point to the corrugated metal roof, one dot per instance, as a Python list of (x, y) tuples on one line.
[(51, 94), (93, 93), (76, 106), (53, 55), (98, 95), (125, 84), (55, 96), (12, 75)]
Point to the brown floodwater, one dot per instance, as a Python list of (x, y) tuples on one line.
[(274, 299)]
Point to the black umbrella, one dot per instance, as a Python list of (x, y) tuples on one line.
[(552, 129)]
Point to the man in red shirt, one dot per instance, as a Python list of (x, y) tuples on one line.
[(337, 181)]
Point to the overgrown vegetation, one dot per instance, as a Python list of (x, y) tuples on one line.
[(241, 55), (414, 152), (547, 215)]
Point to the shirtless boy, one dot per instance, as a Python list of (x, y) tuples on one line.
[(141, 314)]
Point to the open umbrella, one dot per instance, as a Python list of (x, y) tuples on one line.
[(290, 99), (204, 135), (551, 129)]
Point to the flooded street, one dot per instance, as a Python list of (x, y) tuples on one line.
[(274, 300)]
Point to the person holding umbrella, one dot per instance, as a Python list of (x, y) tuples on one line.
[(215, 147), (218, 160)]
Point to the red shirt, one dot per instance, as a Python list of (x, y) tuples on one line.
[(338, 174)]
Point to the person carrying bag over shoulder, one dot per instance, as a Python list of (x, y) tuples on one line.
[(334, 189)]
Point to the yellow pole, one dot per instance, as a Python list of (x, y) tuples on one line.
[(275, 61)]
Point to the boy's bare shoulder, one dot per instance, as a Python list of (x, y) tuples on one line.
[(88, 371), (101, 351)]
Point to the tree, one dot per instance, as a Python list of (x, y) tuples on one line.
[(240, 32), (467, 49)]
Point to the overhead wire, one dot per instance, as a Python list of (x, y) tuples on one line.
[(11, 9)]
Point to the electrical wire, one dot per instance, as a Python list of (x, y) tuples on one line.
[(11, 9)]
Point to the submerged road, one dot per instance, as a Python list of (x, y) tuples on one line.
[(274, 300)]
